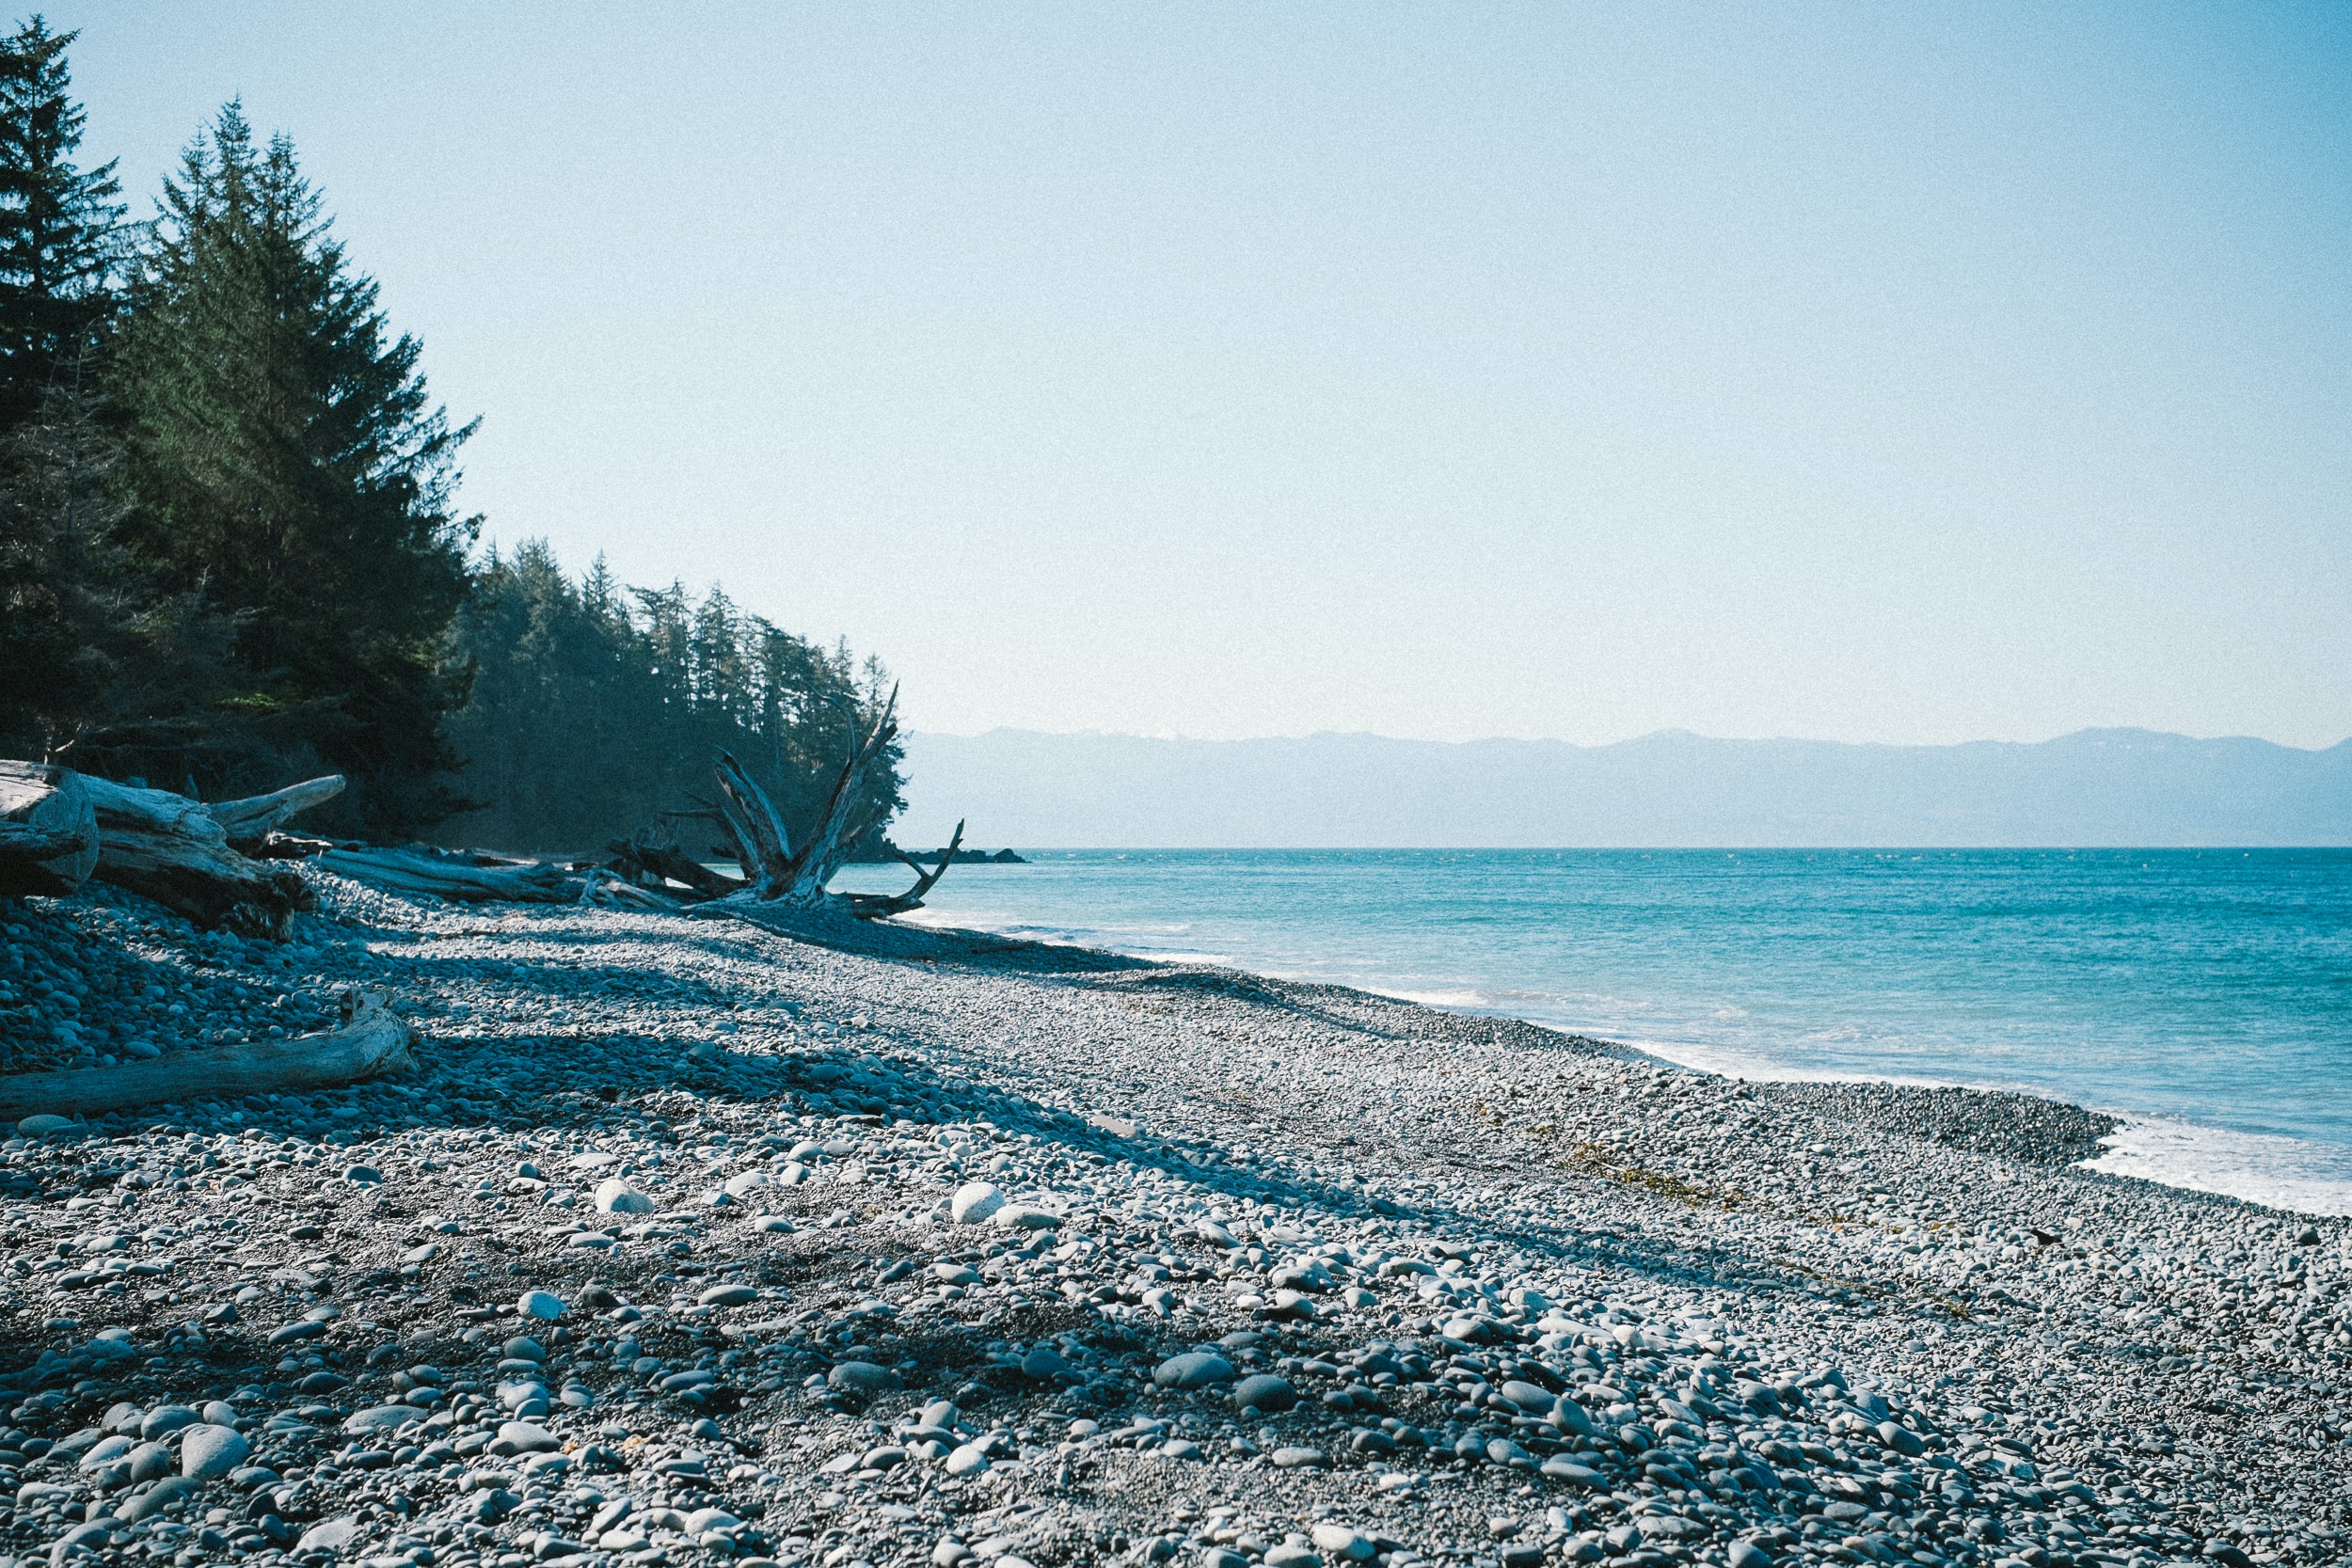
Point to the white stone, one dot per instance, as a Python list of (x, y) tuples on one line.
[(975, 1201), (616, 1197)]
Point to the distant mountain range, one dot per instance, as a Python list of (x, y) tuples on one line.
[(1669, 789)]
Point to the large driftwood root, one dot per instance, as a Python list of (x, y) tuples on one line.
[(370, 1043), (48, 830)]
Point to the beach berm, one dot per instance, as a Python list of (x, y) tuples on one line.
[(1296, 1274)]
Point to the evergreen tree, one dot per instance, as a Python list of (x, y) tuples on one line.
[(58, 225), (278, 448), (110, 668), (591, 718)]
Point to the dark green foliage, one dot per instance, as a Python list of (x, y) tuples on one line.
[(596, 709), (111, 668), (58, 227), (279, 448)]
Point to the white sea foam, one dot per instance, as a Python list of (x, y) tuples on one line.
[(2281, 1172)]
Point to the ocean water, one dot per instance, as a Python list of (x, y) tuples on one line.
[(2206, 995)]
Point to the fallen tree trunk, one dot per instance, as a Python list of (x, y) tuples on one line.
[(454, 877), (48, 830), (370, 1042), (171, 848)]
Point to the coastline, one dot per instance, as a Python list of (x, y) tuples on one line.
[(1535, 1293), (2151, 1140)]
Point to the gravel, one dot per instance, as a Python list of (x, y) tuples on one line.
[(695, 1242)]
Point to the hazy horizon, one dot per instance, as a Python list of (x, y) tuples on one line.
[(1627, 739), (1669, 789)]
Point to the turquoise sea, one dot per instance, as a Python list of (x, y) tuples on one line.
[(2206, 995)]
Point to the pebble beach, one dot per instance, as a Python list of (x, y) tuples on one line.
[(716, 1241)]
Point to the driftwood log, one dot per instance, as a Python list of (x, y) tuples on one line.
[(370, 1042), (252, 822), (48, 830), (457, 877), (172, 850)]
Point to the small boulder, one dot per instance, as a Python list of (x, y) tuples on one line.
[(209, 1453), (1264, 1391), (1193, 1369), (863, 1377), (1044, 1363), (976, 1202), (616, 1197)]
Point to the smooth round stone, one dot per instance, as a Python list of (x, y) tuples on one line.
[(967, 1460), (955, 1274), (1569, 1416), (41, 1126), (1501, 1451), (1345, 1541), (106, 1450), (1533, 1398), (528, 1437), (523, 1348), (166, 1419), (1264, 1391), (363, 1175), (729, 1295), (149, 1462), (331, 1535), (863, 1377), (1193, 1369), (545, 1305), (158, 1498), (1747, 1554), (220, 1412), (1021, 1216), (616, 1197), (1299, 1459), (209, 1453), (589, 1240), (1901, 1439), (1044, 1363), (382, 1417), (1561, 1468), (974, 1201), (772, 1225)]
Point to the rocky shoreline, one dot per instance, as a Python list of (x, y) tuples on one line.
[(700, 1242)]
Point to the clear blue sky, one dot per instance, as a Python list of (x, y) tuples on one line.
[(1899, 372)]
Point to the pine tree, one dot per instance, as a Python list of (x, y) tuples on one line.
[(280, 449), (58, 225)]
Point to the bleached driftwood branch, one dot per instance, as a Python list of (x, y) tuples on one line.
[(876, 906), (370, 1042)]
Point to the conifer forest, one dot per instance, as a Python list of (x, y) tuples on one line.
[(231, 551)]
